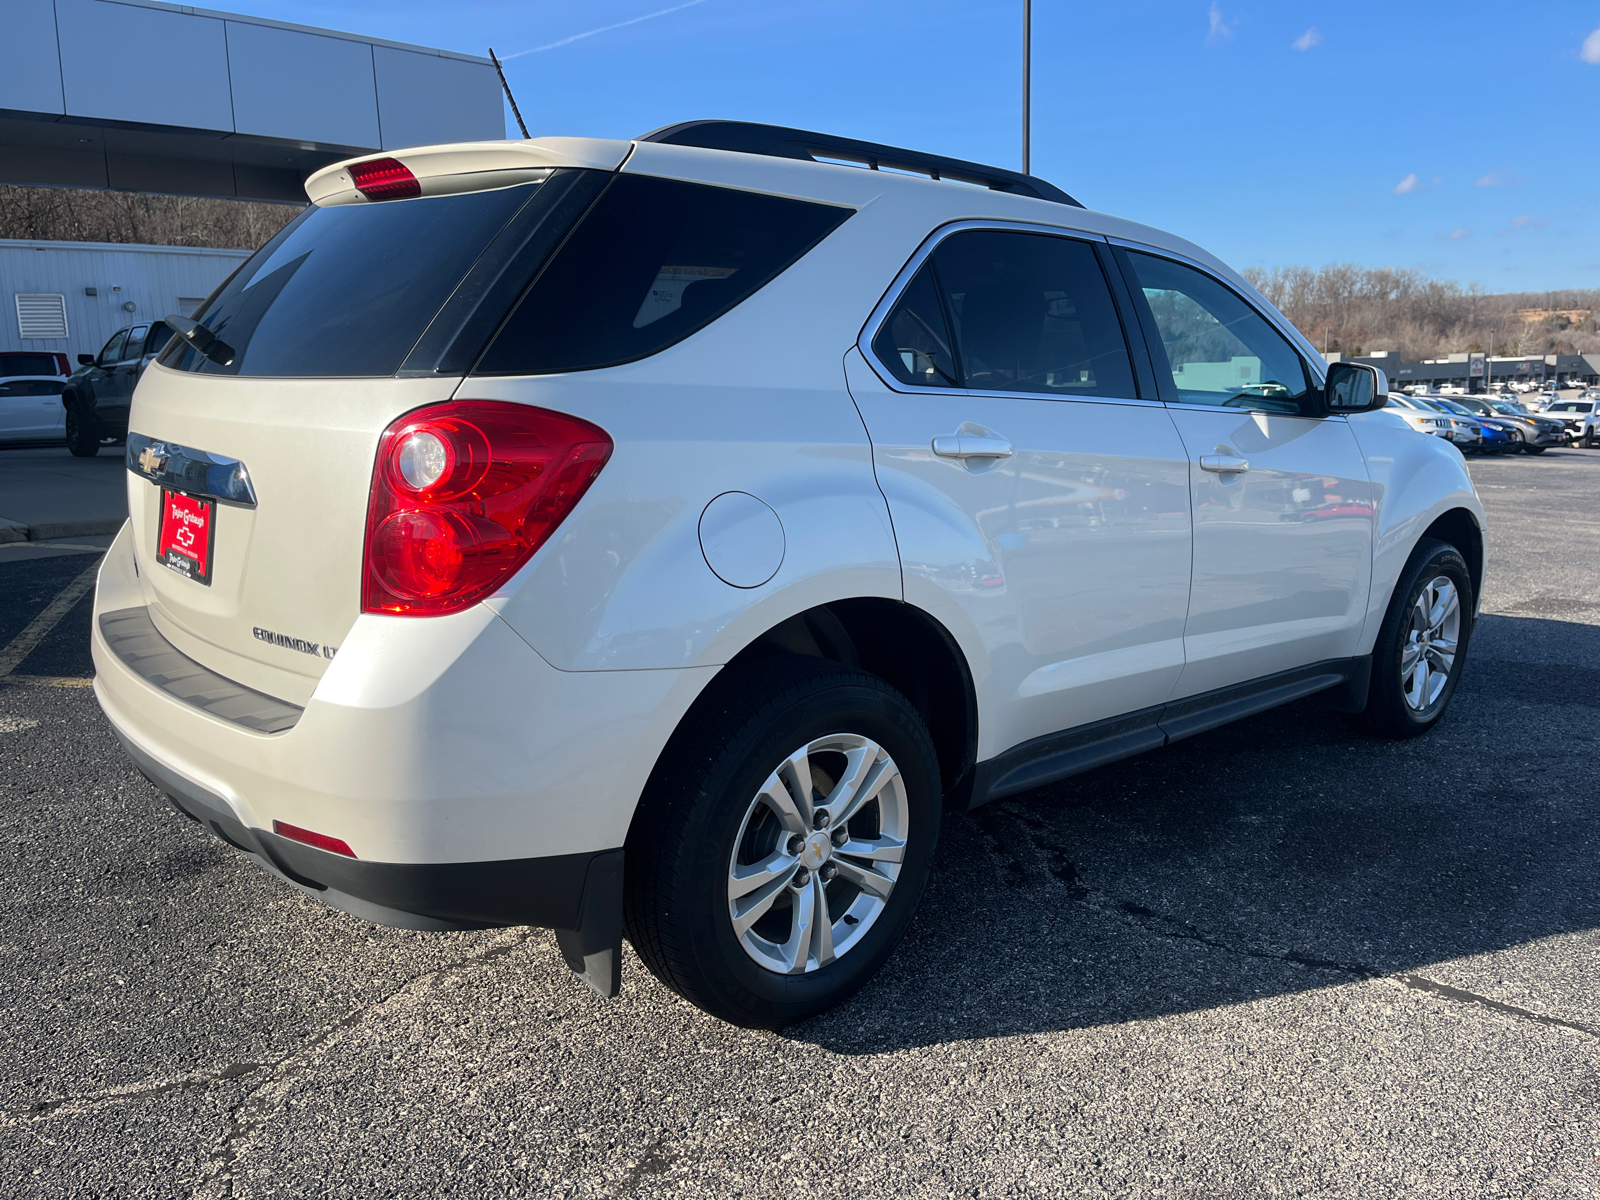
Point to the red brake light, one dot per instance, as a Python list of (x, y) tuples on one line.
[(320, 840), (384, 179), (463, 494)]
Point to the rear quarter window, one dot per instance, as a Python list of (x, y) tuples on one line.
[(654, 261)]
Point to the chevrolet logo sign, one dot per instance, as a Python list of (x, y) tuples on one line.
[(151, 460)]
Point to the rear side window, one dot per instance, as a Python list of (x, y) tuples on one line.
[(23, 363), (1013, 312), (348, 290), (653, 261)]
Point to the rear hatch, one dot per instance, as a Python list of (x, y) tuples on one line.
[(252, 439)]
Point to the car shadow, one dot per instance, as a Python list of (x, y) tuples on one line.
[(1283, 853)]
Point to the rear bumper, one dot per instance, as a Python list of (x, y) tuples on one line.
[(476, 784), (547, 892)]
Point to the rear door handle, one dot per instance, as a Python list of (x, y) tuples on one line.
[(1224, 464), (968, 445)]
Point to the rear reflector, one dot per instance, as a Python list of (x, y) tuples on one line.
[(321, 841), (384, 179)]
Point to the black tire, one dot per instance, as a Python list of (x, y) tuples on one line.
[(1388, 712), (83, 433), (1527, 449), (692, 821)]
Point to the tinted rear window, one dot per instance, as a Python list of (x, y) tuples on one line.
[(653, 261), (13, 363), (348, 290)]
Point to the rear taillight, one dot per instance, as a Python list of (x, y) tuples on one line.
[(384, 179), (463, 494)]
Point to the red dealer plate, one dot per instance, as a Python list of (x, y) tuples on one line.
[(185, 536)]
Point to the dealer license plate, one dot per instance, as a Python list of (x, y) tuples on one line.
[(186, 535)]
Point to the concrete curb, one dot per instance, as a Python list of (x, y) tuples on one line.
[(15, 531)]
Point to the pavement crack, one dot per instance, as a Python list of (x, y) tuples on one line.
[(251, 1113), (1065, 872), (90, 1101), (1446, 992)]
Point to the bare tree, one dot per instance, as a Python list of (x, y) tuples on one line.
[(83, 215)]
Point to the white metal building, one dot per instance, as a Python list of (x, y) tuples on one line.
[(72, 296), (143, 96)]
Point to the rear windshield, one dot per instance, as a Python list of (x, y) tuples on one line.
[(14, 363), (348, 290)]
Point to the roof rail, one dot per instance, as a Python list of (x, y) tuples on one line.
[(782, 142)]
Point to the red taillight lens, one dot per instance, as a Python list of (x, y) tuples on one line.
[(384, 179), (463, 494), (309, 837)]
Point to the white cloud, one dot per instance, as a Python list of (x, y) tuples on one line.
[(1220, 30), (1528, 221), (1408, 185), (1590, 53), (1311, 37), (1499, 178), (1455, 235)]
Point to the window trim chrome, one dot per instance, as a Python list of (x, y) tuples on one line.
[(902, 280)]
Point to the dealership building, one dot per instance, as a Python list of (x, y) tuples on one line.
[(135, 95), (1476, 372)]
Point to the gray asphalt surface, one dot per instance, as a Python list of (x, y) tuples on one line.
[(1277, 959)]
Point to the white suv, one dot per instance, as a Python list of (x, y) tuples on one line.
[(657, 536)]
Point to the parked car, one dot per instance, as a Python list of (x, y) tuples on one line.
[(1452, 389), (1465, 434), (1420, 417), (1500, 436), (1581, 421), (1537, 434), (1546, 398), (659, 536), (30, 396), (98, 395)]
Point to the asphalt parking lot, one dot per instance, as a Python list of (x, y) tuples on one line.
[(1277, 959)]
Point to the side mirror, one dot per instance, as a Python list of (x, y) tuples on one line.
[(1355, 388), (86, 360)]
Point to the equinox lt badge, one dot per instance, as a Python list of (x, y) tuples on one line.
[(294, 643)]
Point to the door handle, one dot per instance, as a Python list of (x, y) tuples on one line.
[(1224, 464), (968, 445)]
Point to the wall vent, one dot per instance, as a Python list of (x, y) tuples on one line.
[(41, 315)]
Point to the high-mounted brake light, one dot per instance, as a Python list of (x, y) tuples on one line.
[(309, 837), (463, 494), (384, 179)]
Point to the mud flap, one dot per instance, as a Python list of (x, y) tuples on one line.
[(594, 949)]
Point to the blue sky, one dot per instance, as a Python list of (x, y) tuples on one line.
[(1452, 137)]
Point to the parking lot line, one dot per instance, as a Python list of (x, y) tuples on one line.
[(37, 629)]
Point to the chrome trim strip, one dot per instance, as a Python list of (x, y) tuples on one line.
[(194, 472), (891, 297)]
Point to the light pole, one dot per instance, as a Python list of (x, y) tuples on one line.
[(1027, 84), (1488, 363)]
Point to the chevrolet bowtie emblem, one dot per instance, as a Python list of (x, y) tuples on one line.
[(151, 460)]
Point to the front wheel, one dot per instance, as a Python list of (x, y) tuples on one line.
[(1527, 449), (783, 842), (1422, 644), (83, 433)]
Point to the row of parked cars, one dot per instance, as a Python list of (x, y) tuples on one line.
[(1499, 422)]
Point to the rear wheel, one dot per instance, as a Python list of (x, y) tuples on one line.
[(1422, 645), (783, 842), (83, 433)]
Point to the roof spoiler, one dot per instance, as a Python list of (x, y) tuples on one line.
[(779, 141), (465, 167)]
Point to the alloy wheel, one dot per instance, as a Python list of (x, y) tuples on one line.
[(1432, 640), (818, 853)]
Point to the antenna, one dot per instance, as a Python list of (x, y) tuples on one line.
[(515, 111)]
